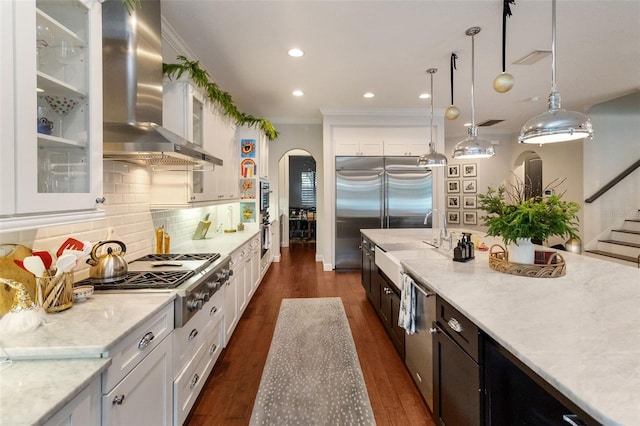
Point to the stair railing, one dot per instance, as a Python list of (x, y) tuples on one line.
[(626, 172)]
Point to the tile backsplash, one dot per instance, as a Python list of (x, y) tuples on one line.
[(128, 218)]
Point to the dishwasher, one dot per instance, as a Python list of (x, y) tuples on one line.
[(419, 346)]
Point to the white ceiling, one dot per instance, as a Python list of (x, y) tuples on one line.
[(385, 47)]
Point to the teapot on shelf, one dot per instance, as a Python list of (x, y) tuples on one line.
[(110, 266)]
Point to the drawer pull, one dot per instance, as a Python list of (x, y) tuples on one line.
[(117, 400), (433, 330), (194, 381), (455, 325), (146, 339), (213, 311), (193, 334), (212, 349), (387, 290)]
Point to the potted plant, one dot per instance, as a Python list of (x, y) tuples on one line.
[(519, 220)]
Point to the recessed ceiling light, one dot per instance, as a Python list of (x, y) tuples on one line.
[(368, 95), (295, 52), (298, 93), (424, 96)]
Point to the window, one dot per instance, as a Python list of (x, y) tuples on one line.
[(308, 186)]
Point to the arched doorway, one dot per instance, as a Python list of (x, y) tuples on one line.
[(297, 180), (528, 169)]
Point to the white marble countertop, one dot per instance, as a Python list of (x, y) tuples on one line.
[(223, 243), (32, 391), (579, 332), (88, 329)]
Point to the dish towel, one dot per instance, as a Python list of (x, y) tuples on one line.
[(267, 238), (407, 314)]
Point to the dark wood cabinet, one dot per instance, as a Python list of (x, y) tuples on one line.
[(515, 395), (389, 309), (457, 364), (368, 270)]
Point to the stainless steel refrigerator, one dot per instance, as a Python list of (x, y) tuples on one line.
[(377, 192)]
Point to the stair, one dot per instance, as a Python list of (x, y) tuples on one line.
[(623, 246)]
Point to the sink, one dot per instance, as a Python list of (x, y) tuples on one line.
[(409, 245)]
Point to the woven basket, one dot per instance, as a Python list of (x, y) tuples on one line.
[(499, 261)]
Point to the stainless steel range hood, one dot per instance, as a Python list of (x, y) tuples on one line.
[(132, 91)]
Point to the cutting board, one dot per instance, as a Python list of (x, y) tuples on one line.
[(9, 270)]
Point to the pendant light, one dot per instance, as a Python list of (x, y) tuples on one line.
[(452, 112), (472, 146), (504, 81), (433, 158), (557, 124)]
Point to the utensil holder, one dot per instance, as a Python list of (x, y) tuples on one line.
[(54, 293)]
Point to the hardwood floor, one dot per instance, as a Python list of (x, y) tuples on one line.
[(229, 393)]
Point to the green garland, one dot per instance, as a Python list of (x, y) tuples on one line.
[(131, 5), (201, 78)]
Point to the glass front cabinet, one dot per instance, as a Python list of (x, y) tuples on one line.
[(51, 109)]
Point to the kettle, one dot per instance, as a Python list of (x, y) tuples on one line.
[(109, 267)]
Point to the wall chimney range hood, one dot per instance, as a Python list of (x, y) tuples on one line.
[(132, 91)]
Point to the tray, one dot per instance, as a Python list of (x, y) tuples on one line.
[(553, 268)]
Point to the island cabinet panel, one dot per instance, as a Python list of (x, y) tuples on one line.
[(368, 266), (457, 362), (516, 395), (388, 312)]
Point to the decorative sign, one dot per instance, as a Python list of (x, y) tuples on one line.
[(248, 168), (247, 148), (247, 189), (247, 212)]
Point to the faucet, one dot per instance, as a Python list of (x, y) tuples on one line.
[(443, 231)]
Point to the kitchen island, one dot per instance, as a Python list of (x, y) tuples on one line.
[(579, 332)]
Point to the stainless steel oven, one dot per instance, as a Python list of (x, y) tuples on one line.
[(264, 195), (265, 234)]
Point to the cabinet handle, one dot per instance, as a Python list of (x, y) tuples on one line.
[(213, 311), (194, 381), (100, 200), (573, 420), (212, 349), (117, 400), (387, 290), (146, 339), (454, 325), (433, 330), (192, 335)]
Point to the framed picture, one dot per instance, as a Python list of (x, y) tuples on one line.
[(453, 170), (469, 170), (469, 185), (470, 218), (453, 186), (453, 217), (469, 202), (453, 201)]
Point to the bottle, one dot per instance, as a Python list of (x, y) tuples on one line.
[(166, 243), (472, 248), (160, 240), (458, 252)]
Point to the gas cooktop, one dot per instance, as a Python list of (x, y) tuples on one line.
[(158, 271)]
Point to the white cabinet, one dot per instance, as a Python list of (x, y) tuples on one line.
[(188, 113), (406, 146), (144, 396), (197, 346), (359, 146), (253, 274), (82, 410), (51, 117), (245, 264), (137, 387), (230, 305)]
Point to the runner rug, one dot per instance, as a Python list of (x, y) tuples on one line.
[(312, 375)]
